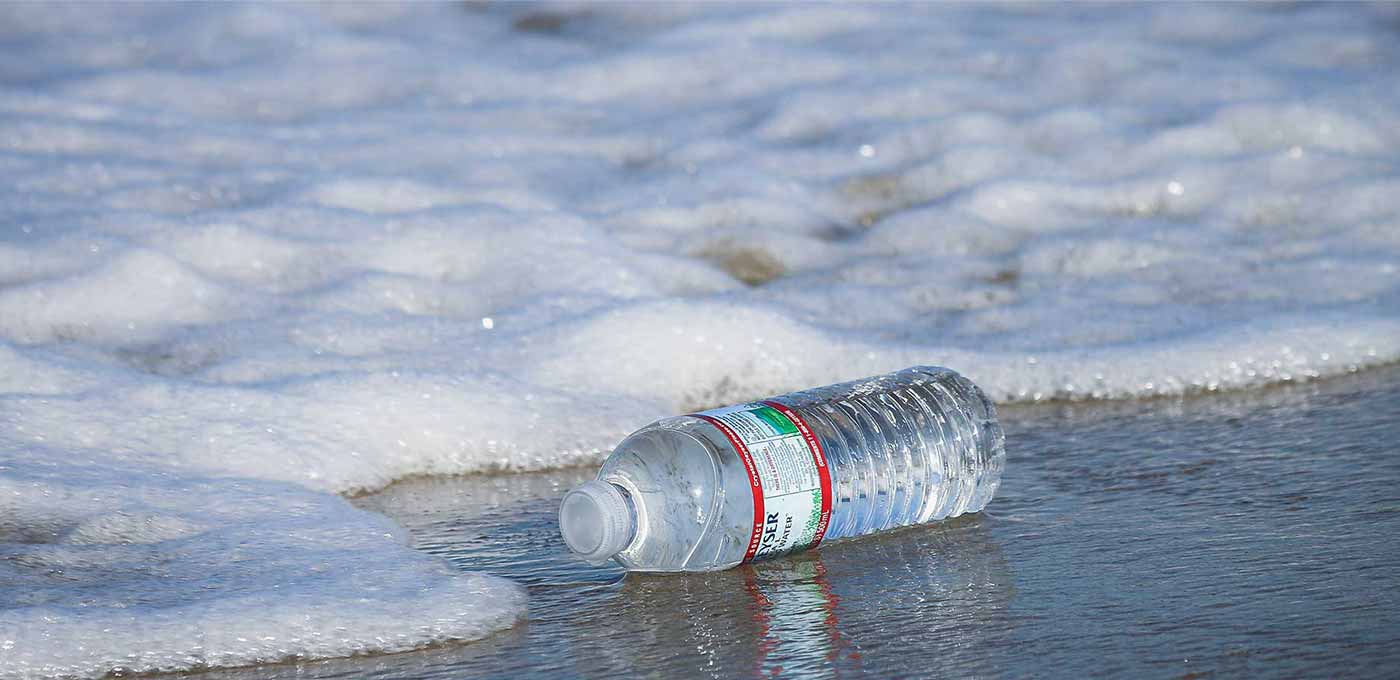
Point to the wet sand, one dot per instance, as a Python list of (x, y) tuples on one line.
[(1229, 534)]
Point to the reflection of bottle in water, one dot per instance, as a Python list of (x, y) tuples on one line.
[(883, 606), (795, 609), (714, 489)]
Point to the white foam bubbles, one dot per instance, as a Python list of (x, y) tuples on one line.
[(110, 565), (263, 254), (136, 294)]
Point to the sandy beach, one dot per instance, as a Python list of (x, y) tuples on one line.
[(1225, 535), (310, 313)]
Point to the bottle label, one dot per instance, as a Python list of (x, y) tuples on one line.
[(787, 473)]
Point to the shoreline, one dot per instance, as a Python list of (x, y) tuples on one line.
[(999, 564), (1014, 408)]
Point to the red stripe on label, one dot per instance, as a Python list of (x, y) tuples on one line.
[(818, 457), (754, 485)]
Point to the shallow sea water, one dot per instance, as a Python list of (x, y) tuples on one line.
[(256, 259), (1243, 534)]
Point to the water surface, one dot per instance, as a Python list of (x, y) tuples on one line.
[(1233, 534)]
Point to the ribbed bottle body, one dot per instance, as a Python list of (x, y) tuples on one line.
[(910, 447)]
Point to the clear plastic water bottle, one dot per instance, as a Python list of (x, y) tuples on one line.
[(711, 490)]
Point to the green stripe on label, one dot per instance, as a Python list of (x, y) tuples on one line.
[(776, 420)]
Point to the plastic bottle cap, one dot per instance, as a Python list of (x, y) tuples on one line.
[(596, 521)]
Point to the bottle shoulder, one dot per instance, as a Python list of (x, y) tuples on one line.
[(685, 451), (686, 484)]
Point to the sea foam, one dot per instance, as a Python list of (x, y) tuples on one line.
[(253, 256)]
